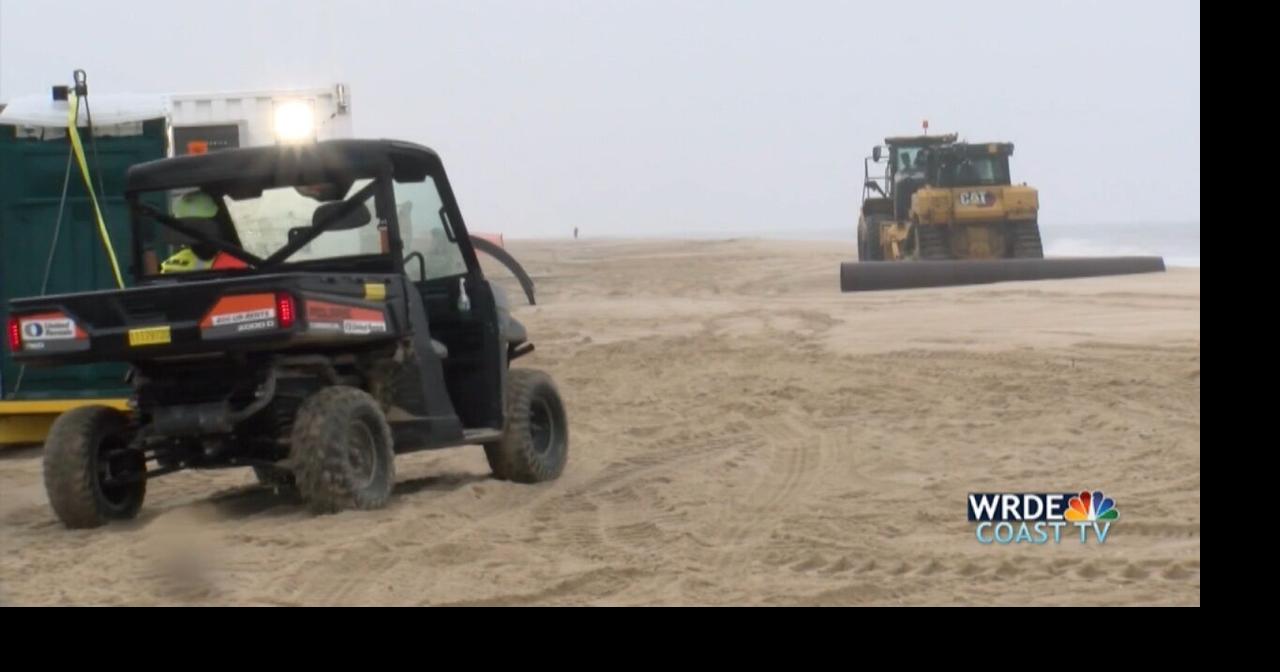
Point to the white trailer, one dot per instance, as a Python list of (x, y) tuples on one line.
[(211, 121)]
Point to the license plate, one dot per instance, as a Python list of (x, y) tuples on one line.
[(148, 336)]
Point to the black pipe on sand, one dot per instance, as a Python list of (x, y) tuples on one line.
[(868, 276)]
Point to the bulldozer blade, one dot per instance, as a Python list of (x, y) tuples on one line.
[(863, 276)]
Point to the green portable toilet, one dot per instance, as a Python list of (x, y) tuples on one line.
[(33, 167)]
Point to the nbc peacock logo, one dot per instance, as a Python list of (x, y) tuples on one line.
[(1041, 518), (1088, 507)]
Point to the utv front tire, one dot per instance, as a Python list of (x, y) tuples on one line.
[(86, 448), (342, 451), (535, 445)]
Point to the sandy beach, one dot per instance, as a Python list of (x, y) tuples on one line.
[(741, 433)]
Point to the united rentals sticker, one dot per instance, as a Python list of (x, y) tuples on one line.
[(52, 332)]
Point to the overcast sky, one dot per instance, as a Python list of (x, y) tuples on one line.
[(627, 117)]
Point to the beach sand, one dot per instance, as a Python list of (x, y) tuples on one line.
[(741, 433)]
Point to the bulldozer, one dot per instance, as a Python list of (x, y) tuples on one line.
[(939, 199)]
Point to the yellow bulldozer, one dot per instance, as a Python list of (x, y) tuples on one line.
[(937, 198)]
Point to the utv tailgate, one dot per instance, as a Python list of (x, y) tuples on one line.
[(194, 317)]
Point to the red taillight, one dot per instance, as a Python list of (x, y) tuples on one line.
[(15, 334), (286, 310)]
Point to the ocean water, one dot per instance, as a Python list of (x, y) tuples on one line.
[(1178, 243)]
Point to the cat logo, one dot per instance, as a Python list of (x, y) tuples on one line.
[(980, 199)]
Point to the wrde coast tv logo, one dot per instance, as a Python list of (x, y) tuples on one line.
[(1034, 518)]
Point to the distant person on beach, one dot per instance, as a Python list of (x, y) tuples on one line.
[(575, 233)]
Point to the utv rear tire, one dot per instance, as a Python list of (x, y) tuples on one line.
[(75, 465), (535, 445), (342, 451)]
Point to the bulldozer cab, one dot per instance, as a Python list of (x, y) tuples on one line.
[(895, 170)]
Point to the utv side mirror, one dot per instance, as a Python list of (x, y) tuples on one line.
[(355, 217), (875, 153)]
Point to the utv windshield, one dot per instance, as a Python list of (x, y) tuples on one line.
[(201, 230)]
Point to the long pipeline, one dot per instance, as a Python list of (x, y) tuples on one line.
[(862, 276)]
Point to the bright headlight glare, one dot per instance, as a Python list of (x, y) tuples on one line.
[(295, 121)]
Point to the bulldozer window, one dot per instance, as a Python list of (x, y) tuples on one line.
[(975, 171), (906, 158)]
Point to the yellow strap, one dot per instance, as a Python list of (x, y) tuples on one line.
[(73, 114)]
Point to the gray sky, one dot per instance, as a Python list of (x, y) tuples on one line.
[(657, 116)]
